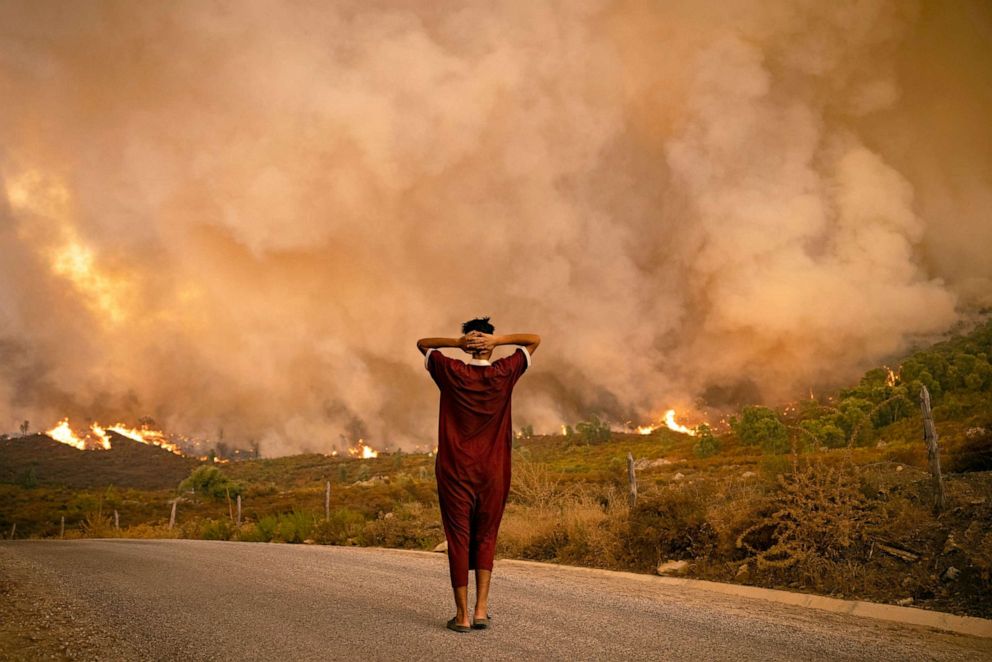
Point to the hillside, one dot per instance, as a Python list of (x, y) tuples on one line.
[(39, 460)]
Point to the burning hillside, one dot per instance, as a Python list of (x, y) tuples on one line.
[(126, 463)]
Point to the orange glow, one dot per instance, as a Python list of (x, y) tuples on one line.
[(890, 379), (363, 451), (668, 422), (47, 198)]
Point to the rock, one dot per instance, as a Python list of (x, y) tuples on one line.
[(971, 433), (950, 544), (309, 541), (748, 474), (950, 574), (905, 602), (899, 467), (672, 567), (881, 444), (645, 463), (442, 546), (678, 476), (743, 572), (388, 516)]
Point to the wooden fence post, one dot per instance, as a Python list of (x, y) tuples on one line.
[(327, 501), (239, 512), (172, 517), (62, 528), (13, 530), (933, 451), (117, 520), (230, 508), (631, 481)]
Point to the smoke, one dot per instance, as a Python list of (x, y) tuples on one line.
[(240, 216)]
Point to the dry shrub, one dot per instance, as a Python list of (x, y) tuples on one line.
[(150, 531), (978, 550), (97, 525), (577, 528), (671, 523), (534, 484), (410, 525), (733, 508), (820, 519), (548, 521)]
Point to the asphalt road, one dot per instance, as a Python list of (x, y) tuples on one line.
[(199, 600)]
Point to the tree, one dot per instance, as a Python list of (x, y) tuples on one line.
[(706, 444), (759, 426), (25, 426), (211, 481), (593, 430)]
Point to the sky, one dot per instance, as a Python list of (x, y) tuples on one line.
[(240, 216)]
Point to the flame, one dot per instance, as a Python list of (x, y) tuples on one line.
[(890, 379), (669, 422), (63, 433), (102, 435), (363, 450), (146, 435), (672, 425)]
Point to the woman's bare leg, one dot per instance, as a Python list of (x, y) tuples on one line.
[(482, 579), (461, 605)]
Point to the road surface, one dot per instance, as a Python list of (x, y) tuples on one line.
[(201, 600)]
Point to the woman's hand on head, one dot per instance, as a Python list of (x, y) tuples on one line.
[(481, 342)]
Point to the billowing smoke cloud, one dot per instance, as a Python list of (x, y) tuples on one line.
[(241, 215)]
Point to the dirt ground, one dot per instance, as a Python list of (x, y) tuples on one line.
[(39, 619)]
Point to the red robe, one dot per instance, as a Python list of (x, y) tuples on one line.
[(475, 437)]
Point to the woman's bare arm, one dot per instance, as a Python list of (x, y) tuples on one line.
[(425, 344), (486, 342)]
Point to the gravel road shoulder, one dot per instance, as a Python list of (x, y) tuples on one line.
[(40, 620)]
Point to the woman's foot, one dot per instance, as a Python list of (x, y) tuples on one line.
[(457, 626)]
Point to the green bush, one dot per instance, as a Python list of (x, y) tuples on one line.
[(706, 443), (593, 431), (216, 529), (760, 426), (211, 481), (344, 527)]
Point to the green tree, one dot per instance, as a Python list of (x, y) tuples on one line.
[(210, 481), (760, 426), (823, 432)]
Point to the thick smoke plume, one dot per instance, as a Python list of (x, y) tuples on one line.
[(241, 215)]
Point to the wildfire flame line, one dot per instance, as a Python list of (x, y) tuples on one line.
[(668, 422), (97, 437)]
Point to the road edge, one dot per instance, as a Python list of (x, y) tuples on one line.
[(939, 620)]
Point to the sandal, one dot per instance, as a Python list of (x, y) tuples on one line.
[(481, 623), (453, 625)]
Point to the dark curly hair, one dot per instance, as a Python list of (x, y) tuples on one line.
[(478, 324)]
